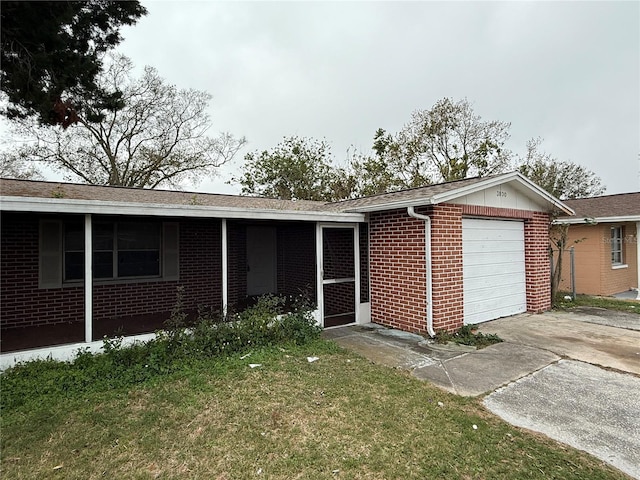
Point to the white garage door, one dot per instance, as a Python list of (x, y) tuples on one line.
[(493, 269)]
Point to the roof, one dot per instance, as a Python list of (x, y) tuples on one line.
[(73, 191), (29, 195), (55, 197), (606, 208), (444, 192), (409, 195)]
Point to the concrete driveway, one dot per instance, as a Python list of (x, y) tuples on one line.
[(591, 398), (576, 336), (573, 376)]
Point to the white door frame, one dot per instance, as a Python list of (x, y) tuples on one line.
[(320, 281)]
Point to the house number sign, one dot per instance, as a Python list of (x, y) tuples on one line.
[(500, 193)]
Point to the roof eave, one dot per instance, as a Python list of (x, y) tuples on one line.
[(71, 206), (507, 177), (594, 220), (467, 190), (392, 205)]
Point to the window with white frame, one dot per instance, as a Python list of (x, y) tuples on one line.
[(617, 236)]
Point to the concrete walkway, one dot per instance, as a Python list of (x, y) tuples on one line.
[(546, 376)]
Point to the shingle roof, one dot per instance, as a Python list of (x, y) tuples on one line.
[(620, 205), (72, 191), (406, 195), (169, 198)]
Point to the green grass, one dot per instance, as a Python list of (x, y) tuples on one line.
[(600, 302), (339, 417)]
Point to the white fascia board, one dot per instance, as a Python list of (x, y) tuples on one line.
[(493, 182), (400, 204), (575, 221), (95, 207), (469, 189)]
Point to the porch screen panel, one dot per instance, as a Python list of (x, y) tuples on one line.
[(338, 260), (338, 269), (296, 260), (364, 262)]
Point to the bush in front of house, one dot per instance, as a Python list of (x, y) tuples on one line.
[(210, 337), (467, 335)]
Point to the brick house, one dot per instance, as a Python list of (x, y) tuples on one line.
[(79, 262), (604, 235)]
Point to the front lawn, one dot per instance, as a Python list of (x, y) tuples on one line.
[(217, 418)]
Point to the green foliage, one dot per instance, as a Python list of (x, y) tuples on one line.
[(172, 350), (52, 51), (467, 335), (562, 179), (445, 143), (295, 169)]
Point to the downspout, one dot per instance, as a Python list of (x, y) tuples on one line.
[(638, 258), (427, 256)]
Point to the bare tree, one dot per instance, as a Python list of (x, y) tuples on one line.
[(152, 135), (13, 166)]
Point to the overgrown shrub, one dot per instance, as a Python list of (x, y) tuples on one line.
[(120, 366), (467, 335)]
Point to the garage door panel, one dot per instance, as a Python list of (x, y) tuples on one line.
[(484, 270), (492, 310), (488, 258), (504, 248), (488, 291), (482, 236), (493, 269)]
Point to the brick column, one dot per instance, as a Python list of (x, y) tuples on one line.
[(446, 254), (537, 265)]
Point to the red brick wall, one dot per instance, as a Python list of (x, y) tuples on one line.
[(446, 260), (397, 270), (24, 304), (200, 276), (537, 262)]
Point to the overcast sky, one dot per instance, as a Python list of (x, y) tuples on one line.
[(568, 72)]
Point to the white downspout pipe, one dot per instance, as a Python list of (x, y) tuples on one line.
[(225, 267), (427, 255), (638, 258)]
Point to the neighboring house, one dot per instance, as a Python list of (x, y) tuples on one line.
[(79, 262), (604, 235)]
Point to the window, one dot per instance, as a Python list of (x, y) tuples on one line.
[(73, 259), (121, 250), (616, 245)]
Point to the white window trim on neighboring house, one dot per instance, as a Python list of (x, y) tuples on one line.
[(617, 247)]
